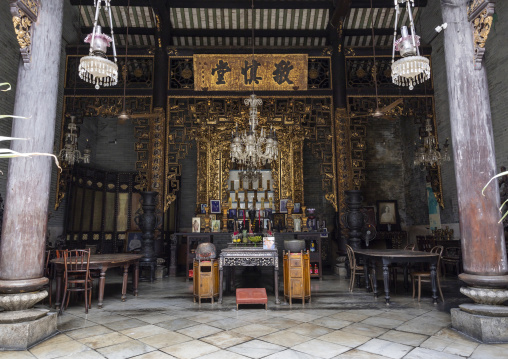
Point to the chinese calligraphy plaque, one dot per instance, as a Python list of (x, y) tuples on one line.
[(241, 72)]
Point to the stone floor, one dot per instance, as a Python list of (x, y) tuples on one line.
[(163, 322)]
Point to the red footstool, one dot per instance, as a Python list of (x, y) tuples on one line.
[(251, 296)]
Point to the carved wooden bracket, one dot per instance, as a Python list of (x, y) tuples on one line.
[(24, 15), (480, 16)]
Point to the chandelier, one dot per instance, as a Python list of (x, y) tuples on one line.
[(96, 68), (252, 150), (412, 68), (70, 153), (429, 153)]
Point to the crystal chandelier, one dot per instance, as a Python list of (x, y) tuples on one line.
[(70, 153), (412, 68), (252, 150), (429, 153), (96, 68)]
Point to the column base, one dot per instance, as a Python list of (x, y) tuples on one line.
[(486, 323), (20, 330)]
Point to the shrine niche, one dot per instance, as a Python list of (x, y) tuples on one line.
[(299, 121)]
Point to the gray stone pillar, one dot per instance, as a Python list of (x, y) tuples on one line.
[(483, 243), (22, 248)]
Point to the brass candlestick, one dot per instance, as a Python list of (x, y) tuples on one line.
[(304, 219), (225, 209), (290, 206), (207, 219)]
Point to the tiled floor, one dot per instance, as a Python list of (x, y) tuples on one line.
[(163, 322)]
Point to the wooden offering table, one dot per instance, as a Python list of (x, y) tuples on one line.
[(249, 257), (389, 256), (103, 262)]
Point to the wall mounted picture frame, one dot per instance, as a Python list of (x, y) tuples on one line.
[(232, 213), (215, 225), (241, 213), (196, 224), (297, 208), (283, 206), (203, 208), (134, 241), (214, 206), (388, 215)]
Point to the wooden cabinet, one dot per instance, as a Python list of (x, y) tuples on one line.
[(206, 279), (193, 240), (316, 255), (296, 276)]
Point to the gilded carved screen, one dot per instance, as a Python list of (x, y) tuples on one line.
[(209, 121)]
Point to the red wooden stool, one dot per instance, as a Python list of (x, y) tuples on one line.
[(251, 296)]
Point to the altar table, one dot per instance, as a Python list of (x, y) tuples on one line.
[(249, 257), (103, 262), (389, 256)]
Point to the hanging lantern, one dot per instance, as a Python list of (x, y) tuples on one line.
[(96, 68)]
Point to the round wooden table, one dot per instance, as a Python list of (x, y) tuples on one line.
[(103, 262)]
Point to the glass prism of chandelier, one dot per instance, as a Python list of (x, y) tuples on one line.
[(251, 149)]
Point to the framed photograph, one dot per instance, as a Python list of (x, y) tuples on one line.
[(214, 206), (232, 213), (324, 233), (268, 212), (134, 241), (196, 224), (215, 225), (241, 212), (203, 208), (388, 215), (283, 206), (213, 217), (297, 208), (269, 243), (266, 223)]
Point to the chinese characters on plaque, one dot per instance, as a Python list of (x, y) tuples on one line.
[(241, 72)]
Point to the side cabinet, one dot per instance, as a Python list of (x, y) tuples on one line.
[(296, 276)]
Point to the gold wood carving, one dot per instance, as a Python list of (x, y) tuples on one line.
[(209, 122), (343, 156), (24, 15), (237, 73), (480, 16)]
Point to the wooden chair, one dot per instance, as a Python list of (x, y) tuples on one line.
[(356, 270), (453, 257), (394, 268), (77, 276), (426, 274)]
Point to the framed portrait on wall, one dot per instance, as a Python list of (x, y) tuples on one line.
[(283, 206), (215, 225), (214, 206), (196, 224), (388, 215), (279, 220), (203, 208), (297, 208), (134, 241)]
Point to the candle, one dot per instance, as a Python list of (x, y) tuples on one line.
[(259, 221)]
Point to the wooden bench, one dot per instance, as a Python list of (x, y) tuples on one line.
[(251, 296)]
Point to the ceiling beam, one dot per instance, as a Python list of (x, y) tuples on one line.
[(239, 33), (259, 4)]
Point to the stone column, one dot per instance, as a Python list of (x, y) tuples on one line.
[(483, 245), (22, 249)]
